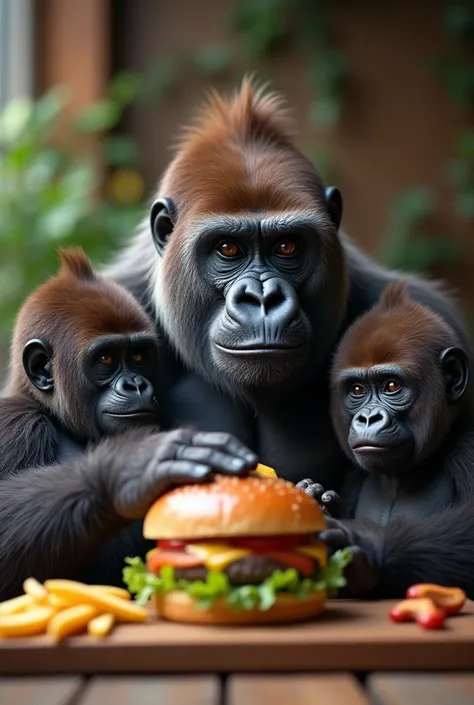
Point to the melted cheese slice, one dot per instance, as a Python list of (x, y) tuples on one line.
[(265, 471), (217, 556), (317, 550)]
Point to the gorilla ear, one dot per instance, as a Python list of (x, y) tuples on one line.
[(37, 356), (455, 366), (334, 205), (162, 216)]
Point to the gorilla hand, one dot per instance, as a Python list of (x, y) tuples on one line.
[(365, 542), (162, 460), (328, 501)]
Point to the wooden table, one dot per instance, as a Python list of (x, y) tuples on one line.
[(318, 663)]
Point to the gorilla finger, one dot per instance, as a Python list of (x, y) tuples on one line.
[(180, 436), (227, 443), (330, 497), (315, 491), (183, 471), (358, 554), (213, 458), (334, 538), (304, 484)]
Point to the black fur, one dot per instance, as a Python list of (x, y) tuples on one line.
[(28, 436)]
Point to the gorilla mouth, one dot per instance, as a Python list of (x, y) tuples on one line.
[(365, 447), (139, 414), (260, 348)]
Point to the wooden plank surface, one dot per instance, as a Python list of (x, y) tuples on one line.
[(350, 636), (151, 690), (39, 691), (298, 690), (421, 689)]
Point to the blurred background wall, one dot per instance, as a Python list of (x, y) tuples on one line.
[(381, 93)]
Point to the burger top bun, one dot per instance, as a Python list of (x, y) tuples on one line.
[(231, 506)]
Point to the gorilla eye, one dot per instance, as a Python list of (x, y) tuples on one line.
[(357, 390), (392, 386), (228, 249), (285, 248), (105, 359), (138, 357)]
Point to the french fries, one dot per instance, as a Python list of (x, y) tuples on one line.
[(15, 605), (74, 593), (61, 608), (101, 626), (70, 621), (32, 621)]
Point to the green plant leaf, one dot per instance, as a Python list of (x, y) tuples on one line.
[(100, 117), (14, 120), (124, 88), (49, 107)]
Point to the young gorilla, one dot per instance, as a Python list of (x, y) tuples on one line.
[(84, 365), (402, 411)]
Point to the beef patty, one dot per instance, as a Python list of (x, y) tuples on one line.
[(251, 570)]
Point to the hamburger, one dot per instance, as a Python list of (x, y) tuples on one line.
[(236, 551)]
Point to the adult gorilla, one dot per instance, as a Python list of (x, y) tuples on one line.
[(252, 285)]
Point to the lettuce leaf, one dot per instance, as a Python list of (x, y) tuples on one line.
[(143, 584)]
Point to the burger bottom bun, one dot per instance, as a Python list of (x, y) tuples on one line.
[(177, 606)]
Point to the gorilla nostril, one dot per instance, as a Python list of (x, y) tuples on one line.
[(141, 384), (374, 418), (272, 300), (362, 419)]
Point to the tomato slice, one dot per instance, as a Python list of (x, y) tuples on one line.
[(172, 545), (303, 564), (178, 559)]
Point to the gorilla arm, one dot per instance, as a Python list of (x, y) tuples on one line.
[(388, 559), (54, 518)]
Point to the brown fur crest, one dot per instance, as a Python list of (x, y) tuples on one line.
[(397, 330), (252, 112), (75, 263)]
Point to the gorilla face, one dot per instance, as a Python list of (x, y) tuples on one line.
[(251, 297)]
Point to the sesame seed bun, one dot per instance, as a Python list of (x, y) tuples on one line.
[(180, 607), (231, 506)]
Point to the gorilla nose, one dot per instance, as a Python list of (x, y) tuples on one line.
[(133, 384), (251, 300), (373, 419)]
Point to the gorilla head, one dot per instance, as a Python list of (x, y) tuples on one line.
[(248, 245)]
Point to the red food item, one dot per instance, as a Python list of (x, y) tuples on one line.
[(256, 544), (422, 610), (450, 600), (172, 545), (178, 559), (303, 564)]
